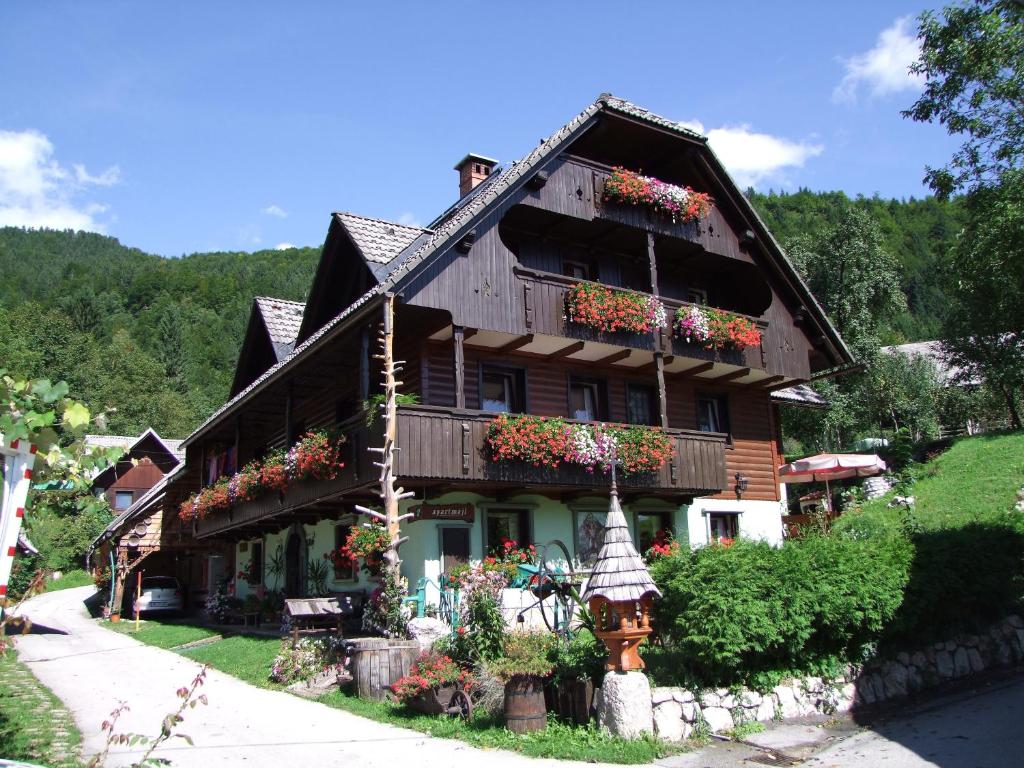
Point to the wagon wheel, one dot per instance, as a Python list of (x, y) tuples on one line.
[(553, 589), (460, 705)]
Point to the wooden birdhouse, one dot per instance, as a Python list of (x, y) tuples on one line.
[(620, 593)]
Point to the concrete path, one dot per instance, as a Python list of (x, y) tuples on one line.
[(92, 669)]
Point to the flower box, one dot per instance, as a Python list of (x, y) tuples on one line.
[(680, 204), (715, 328), (611, 311)]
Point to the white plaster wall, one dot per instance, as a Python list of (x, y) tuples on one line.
[(757, 520)]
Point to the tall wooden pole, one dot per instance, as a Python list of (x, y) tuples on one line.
[(389, 494)]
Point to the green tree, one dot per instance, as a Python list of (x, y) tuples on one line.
[(973, 60), (900, 392), (854, 277)]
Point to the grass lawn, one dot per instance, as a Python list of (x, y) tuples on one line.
[(558, 741), (34, 725), (161, 634), (69, 580), (247, 658), (976, 480)]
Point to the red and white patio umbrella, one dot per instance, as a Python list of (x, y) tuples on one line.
[(831, 466)]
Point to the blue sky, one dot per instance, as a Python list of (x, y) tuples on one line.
[(188, 126)]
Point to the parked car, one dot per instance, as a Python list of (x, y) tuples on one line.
[(160, 593)]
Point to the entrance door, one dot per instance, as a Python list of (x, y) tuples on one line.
[(454, 547), (295, 565)]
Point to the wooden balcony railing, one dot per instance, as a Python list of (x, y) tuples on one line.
[(544, 308), (448, 444)]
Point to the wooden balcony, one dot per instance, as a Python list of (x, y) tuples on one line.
[(544, 308), (450, 444), (446, 448)]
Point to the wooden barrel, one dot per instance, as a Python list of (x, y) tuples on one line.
[(377, 663), (524, 705)]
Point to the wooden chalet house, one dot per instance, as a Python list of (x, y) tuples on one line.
[(481, 325)]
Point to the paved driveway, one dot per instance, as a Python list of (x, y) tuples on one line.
[(91, 669), (961, 731)]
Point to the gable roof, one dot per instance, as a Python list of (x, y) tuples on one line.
[(799, 394), (374, 236), (378, 241), (128, 443), (932, 351), (281, 319)]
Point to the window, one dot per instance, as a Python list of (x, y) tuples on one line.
[(713, 413), (586, 400), (454, 547), (123, 499), (256, 563), (697, 295), (724, 525), (577, 270), (640, 404), (502, 524), (344, 572), (501, 389), (648, 526)]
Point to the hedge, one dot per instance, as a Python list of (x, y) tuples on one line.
[(749, 613)]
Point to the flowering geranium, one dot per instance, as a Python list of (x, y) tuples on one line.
[(552, 442), (715, 328), (316, 456), (681, 204), (664, 545), (431, 670), (610, 311)]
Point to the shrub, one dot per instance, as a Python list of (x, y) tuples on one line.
[(523, 654), (736, 613), (579, 658)]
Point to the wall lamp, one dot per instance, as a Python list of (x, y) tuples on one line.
[(742, 481)]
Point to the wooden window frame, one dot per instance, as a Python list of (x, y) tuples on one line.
[(468, 527), (131, 497), (588, 269), (653, 416), (338, 541), (600, 390), (724, 413), (519, 379)]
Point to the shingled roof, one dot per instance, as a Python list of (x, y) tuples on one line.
[(799, 394), (378, 241), (620, 574), (282, 319)]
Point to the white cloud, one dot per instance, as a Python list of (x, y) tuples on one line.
[(276, 211), (409, 219), (284, 246), (36, 191), (885, 69), (754, 158)]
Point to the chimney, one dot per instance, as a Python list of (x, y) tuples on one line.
[(472, 170)]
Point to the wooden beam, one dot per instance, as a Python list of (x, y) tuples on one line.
[(614, 357), (458, 334), (566, 351), (364, 365), (468, 333), (702, 368), (516, 343), (653, 263), (771, 381), (653, 365), (659, 368), (731, 376)]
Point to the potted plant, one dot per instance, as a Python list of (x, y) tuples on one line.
[(578, 666), (523, 665)]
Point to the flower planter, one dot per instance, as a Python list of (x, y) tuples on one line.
[(377, 664), (115, 617), (443, 700), (525, 710)]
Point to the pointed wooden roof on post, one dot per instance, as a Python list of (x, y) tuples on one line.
[(620, 574)]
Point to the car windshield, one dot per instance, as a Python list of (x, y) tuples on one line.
[(160, 582)]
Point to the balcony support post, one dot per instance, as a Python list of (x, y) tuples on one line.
[(652, 258), (364, 365), (459, 334), (659, 369)]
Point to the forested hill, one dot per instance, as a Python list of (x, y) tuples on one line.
[(158, 338)]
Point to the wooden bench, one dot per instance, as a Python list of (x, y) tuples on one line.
[(313, 614)]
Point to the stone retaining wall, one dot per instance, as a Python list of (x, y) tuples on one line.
[(679, 712)]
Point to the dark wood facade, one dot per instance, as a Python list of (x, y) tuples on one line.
[(493, 294)]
